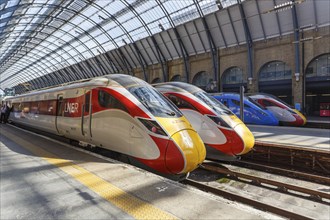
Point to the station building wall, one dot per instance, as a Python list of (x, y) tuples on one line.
[(265, 51)]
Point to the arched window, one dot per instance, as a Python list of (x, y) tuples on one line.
[(176, 78), (233, 75), (202, 79), (319, 66), (275, 70), (156, 80)]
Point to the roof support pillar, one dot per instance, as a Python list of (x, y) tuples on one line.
[(249, 41)]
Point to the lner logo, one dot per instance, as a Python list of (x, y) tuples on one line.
[(71, 107)]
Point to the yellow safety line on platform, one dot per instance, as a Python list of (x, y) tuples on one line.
[(128, 203)]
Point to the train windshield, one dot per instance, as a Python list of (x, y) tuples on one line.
[(220, 108), (155, 102)]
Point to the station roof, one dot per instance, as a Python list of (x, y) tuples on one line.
[(47, 42)]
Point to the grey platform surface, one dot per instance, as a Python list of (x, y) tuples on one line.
[(314, 138), (33, 188)]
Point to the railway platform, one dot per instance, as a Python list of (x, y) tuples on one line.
[(311, 138), (44, 179), (318, 122)]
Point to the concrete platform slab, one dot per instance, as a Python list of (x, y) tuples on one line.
[(314, 138), (45, 179)]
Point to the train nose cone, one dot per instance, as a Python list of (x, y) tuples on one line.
[(302, 117), (246, 136), (192, 150)]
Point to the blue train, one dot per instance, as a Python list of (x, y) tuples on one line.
[(253, 112)]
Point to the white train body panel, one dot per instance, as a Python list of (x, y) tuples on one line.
[(205, 127), (281, 114)]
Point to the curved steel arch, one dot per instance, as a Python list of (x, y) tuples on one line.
[(54, 50), (182, 47), (162, 59), (139, 56), (85, 32), (211, 45), (67, 43), (37, 63)]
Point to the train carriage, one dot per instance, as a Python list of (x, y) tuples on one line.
[(286, 114), (120, 113), (254, 113)]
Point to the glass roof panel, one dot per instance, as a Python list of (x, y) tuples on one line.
[(67, 28)]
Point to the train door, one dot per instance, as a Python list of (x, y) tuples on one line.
[(86, 116), (59, 113)]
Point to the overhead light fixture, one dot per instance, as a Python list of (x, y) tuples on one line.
[(218, 2), (284, 6), (297, 76), (161, 27)]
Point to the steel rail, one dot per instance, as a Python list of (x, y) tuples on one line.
[(247, 201), (283, 172), (294, 157), (292, 147), (283, 187)]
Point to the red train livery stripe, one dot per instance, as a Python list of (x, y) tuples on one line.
[(72, 107), (132, 108), (234, 144), (171, 155)]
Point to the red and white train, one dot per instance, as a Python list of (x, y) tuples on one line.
[(120, 113), (282, 111), (224, 134)]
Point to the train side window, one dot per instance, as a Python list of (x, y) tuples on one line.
[(225, 102), (180, 103), (108, 101), (34, 107), (26, 107), (118, 105), (15, 107), (87, 98), (104, 99), (235, 102), (50, 107)]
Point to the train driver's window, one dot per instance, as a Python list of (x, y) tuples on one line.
[(180, 103), (268, 103)]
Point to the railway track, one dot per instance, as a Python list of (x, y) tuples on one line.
[(244, 200), (283, 171), (308, 161), (288, 189), (314, 195)]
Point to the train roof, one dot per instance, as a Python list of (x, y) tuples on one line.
[(181, 85), (120, 79), (265, 95), (127, 81)]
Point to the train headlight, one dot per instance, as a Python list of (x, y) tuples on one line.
[(153, 126), (219, 121)]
